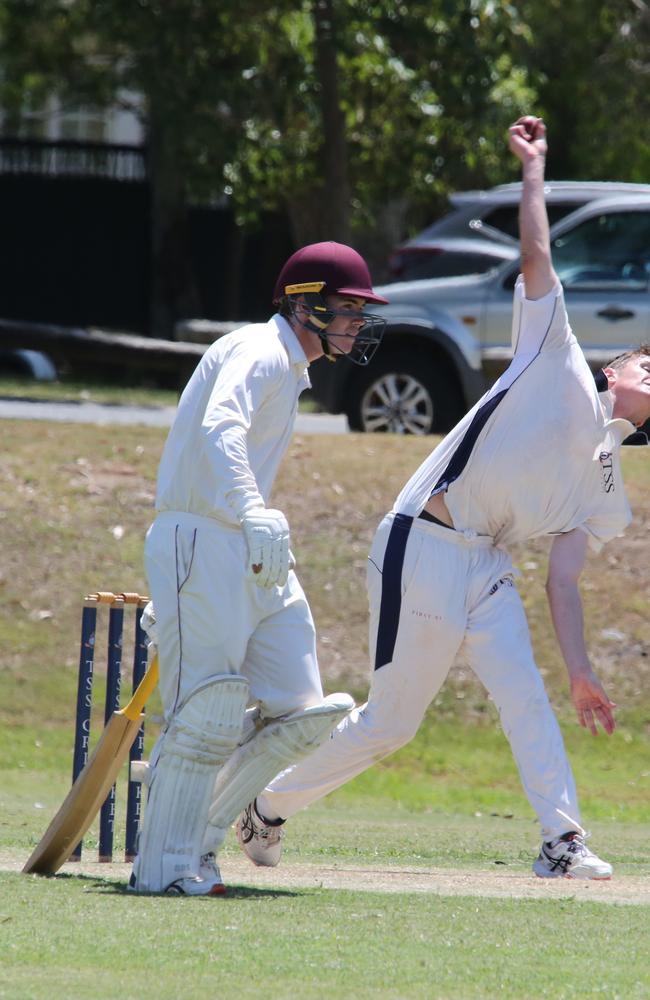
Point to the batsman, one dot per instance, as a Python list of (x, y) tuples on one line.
[(239, 678)]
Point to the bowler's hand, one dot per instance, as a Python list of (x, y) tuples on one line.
[(527, 138), (591, 703)]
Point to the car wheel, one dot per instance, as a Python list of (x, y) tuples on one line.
[(404, 395), (35, 364)]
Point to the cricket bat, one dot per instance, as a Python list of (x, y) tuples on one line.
[(85, 798)]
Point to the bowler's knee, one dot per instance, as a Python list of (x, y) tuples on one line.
[(529, 708), (387, 729)]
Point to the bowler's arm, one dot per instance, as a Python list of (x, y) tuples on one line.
[(567, 560), (527, 140)]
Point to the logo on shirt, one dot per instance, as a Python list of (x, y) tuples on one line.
[(505, 581), (607, 470)]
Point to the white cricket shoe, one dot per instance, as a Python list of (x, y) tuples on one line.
[(209, 883), (260, 841), (569, 857), (194, 887), (209, 871)]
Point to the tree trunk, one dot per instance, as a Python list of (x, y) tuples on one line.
[(335, 216), (234, 265), (174, 293), (305, 218)]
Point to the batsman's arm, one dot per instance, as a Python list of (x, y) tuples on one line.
[(244, 384)]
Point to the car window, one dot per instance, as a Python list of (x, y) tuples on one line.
[(454, 223), (606, 251), (505, 218), (415, 267), (610, 249)]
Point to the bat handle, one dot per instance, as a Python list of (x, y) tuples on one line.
[(143, 691)]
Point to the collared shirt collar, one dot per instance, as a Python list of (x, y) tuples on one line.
[(291, 343), (607, 403), (616, 428)]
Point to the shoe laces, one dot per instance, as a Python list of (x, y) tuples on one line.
[(209, 861), (271, 834), (265, 831), (575, 843)]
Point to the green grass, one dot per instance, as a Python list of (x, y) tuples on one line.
[(310, 943), (448, 770), (449, 800), (67, 490), (67, 389)]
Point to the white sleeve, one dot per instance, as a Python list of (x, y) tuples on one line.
[(609, 522), (539, 324), (242, 387)]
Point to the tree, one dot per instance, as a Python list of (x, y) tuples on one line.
[(425, 92), (590, 61), (336, 222), (356, 118)]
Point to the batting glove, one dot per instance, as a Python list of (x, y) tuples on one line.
[(267, 536)]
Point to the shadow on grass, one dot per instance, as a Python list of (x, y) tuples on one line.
[(109, 886)]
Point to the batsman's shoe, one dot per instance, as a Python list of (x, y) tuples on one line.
[(210, 872), (209, 882), (194, 887), (569, 857), (260, 840)]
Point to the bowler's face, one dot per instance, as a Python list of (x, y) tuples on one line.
[(632, 390)]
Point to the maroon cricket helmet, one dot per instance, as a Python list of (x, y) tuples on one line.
[(343, 270)]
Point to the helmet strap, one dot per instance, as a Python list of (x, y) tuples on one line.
[(327, 350), (318, 317)]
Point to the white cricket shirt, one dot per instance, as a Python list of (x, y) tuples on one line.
[(539, 453), (234, 422)]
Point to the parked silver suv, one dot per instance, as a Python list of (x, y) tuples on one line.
[(448, 338), (482, 229)]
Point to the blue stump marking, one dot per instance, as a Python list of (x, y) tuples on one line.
[(112, 704)]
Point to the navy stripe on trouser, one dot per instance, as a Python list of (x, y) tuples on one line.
[(391, 589)]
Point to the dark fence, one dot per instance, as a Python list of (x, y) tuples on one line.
[(76, 251), (69, 158), (76, 234)]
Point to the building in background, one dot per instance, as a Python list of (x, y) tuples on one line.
[(75, 200)]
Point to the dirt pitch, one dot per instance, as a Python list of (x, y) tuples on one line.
[(623, 889)]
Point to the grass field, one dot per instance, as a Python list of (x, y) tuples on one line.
[(412, 881), (66, 388)]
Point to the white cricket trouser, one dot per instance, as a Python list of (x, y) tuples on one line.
[(211, 619), (433, 593)]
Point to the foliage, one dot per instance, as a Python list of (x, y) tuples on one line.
[(237, 88), (589, 61), (426, 92), (235, 100)]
